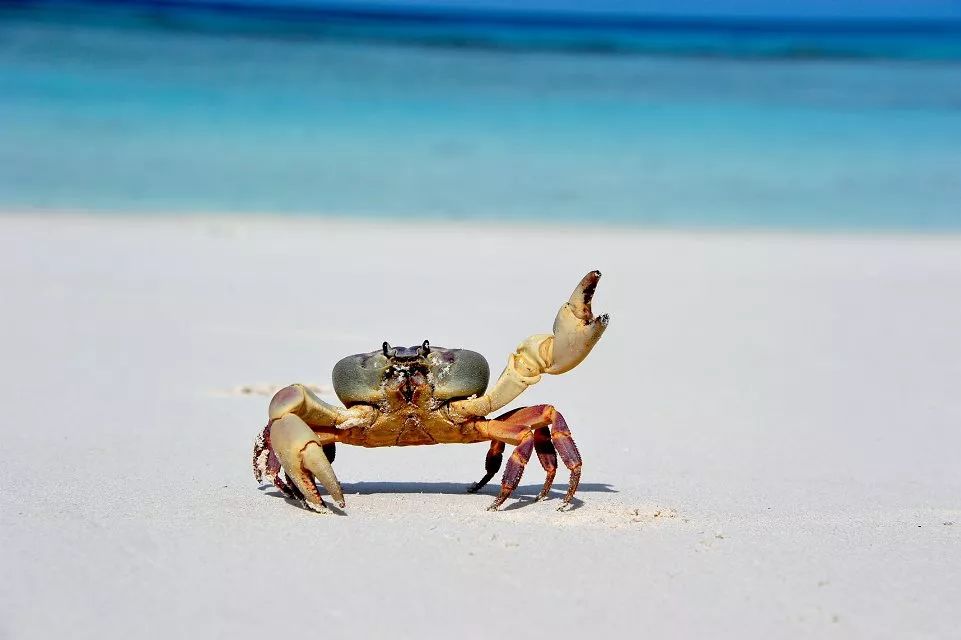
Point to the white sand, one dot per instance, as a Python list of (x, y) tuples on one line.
[(771, 428)]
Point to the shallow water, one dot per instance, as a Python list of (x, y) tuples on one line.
[(162, 120)]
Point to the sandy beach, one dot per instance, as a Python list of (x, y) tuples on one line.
[(770, 429)]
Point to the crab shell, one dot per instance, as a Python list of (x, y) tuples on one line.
[(453, 373)]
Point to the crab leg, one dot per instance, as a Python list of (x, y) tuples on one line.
[(515, 469), (547, 455), (576, 331), (564, 443), (527, 430), (492, 464)]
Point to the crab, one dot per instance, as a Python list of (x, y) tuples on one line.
[(404, 396)]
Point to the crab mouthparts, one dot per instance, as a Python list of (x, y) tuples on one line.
[(408, 381), (407, 387)]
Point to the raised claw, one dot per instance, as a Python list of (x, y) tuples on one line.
[(303, 458), (576, 330)]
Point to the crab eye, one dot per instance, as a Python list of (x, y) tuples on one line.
[(385, 347), (425, 348)]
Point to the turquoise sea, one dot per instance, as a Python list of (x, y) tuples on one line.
[(656, 126)]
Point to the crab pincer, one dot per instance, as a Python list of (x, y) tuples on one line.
[(303, 458), (576, 330)]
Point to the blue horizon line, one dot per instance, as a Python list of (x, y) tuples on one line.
[(928, 41), (454, 17)]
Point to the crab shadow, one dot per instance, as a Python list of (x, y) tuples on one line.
[(524, 494)]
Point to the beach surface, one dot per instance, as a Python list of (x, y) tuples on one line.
[(771, 429)]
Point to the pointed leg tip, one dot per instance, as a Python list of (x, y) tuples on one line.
[(604, 319)]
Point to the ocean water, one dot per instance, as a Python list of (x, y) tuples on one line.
[(155, 119)]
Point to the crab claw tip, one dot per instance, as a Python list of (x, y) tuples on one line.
[(316, 508), (580, 300)]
